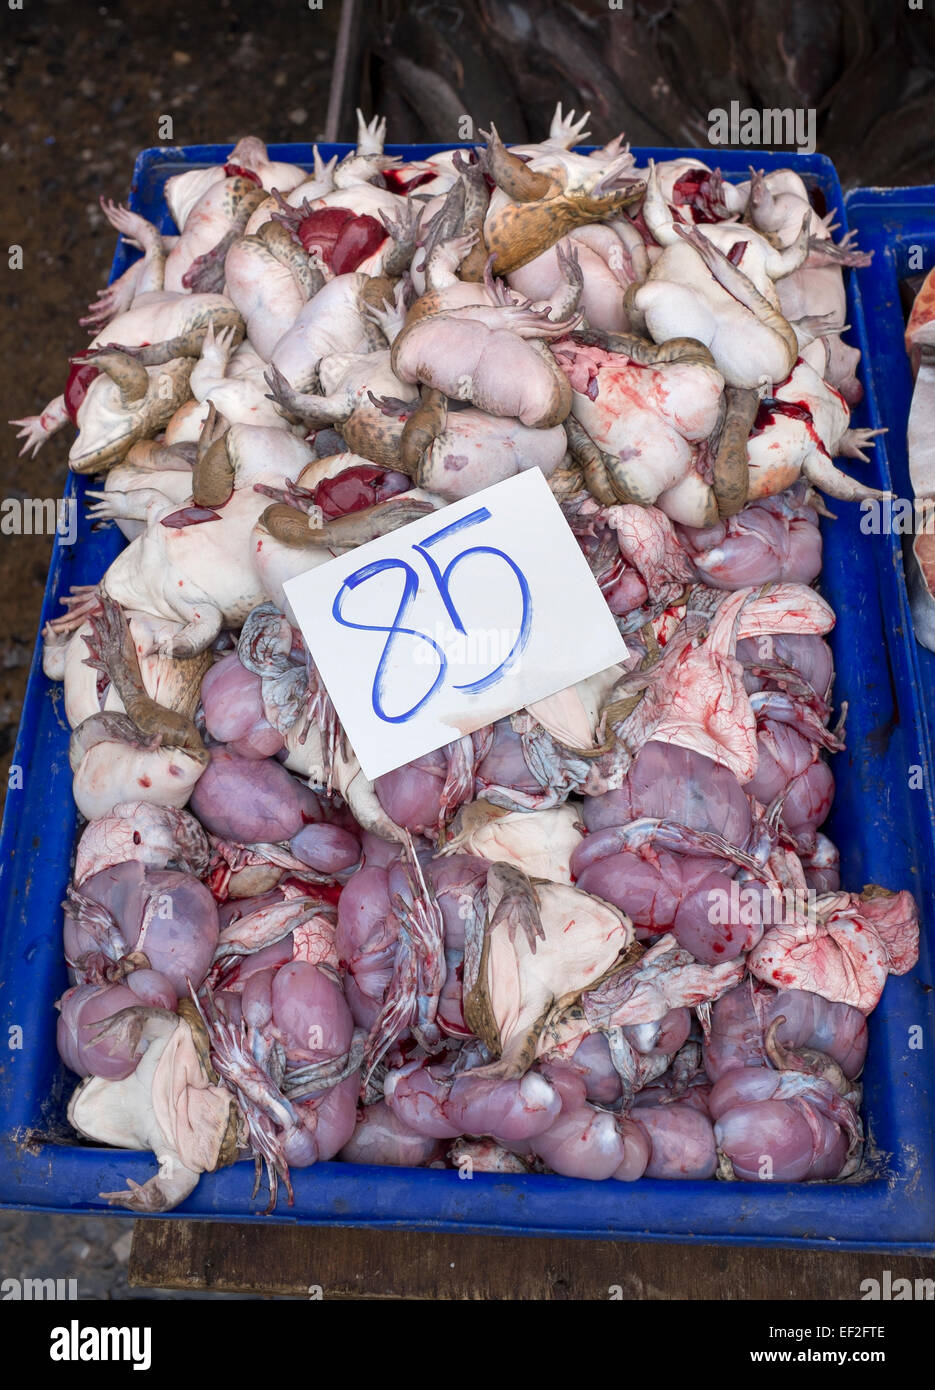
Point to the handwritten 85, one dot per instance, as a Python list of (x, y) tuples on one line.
[(440, 578), (454, 621)]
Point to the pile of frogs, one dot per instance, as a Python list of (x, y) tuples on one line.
[(603, 936)]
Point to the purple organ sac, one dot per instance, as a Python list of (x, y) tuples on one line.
[(675, 784), (412, 795), (232, 699), (167, 916), (251, 800), (381, 1137), (682, 1140), (741, 1019), (781, 1126), (366, 941), (82, 1012), (327, 848)]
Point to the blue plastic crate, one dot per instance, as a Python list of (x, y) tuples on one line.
[(895, 224), (882, 827)]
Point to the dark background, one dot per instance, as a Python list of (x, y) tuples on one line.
[(82, 87)]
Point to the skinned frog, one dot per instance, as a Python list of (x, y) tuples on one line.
[(775, 201), (170, 1103), (183, 191), (455, 451), (152, 751), (799, 430), (647, 420), (760, 259), (334, 320), (194, 567), (477, 344), (695, 290), (142, 276), (141, 388), (196, 261), (610, 258), (270, 279), (110, 394), (529, 211), (79, 651), (220, 213), (233, 381), (151, 476)]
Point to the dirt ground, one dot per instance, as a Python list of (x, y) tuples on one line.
[(82, 87)]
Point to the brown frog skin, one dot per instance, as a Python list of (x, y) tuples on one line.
[(517, 231), (423, 426), (293, 527), (644, 350), (375, 435), (373, 428), (513, 175), (281, 245), (461, 214), (476, 203), (112, 651), (731, 467), (213, 471), (241, 197), (135, 403), (362, 398), (219, 217), (596, 466)]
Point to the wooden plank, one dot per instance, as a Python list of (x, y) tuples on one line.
[(359, 1263)]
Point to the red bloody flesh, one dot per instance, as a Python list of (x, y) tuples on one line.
[(343, 240), (396, 180), (322, 228), (234, 171), (80, 376), (359, 239), (189, 516), (793, 410), (326, 892), (361, 486), (694, 188)]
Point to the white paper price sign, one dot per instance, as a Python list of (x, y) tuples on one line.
[(466, 615)]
